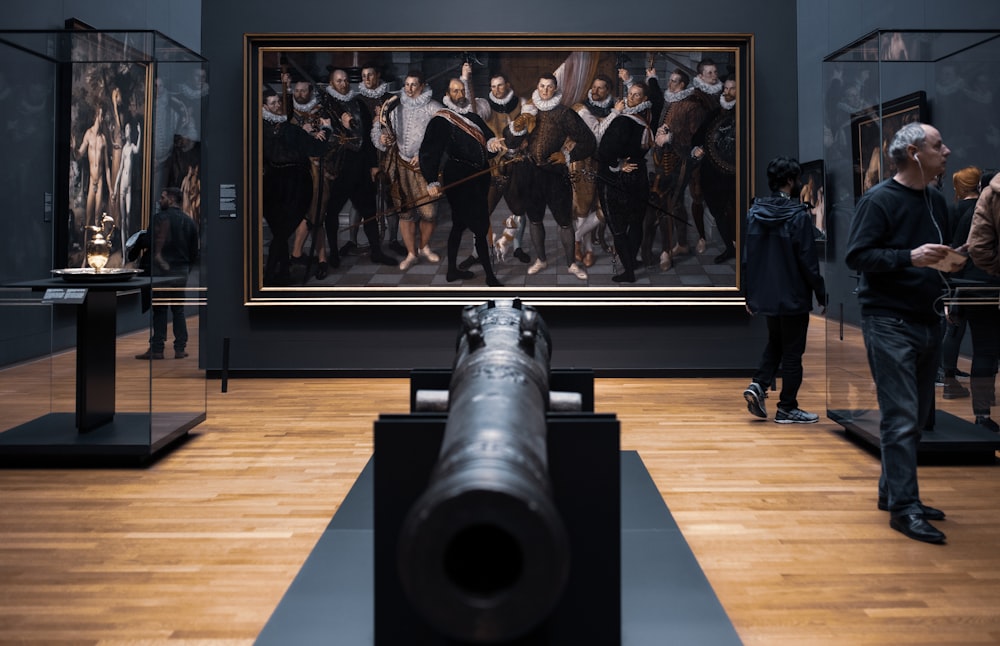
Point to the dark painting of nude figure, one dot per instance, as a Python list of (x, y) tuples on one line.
[(106, 169)]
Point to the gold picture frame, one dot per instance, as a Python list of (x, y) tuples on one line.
[(275, 62)]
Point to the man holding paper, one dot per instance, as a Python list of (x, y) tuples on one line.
[(896, 242)]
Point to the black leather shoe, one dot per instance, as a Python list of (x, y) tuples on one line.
[(930, 513), (915, 526)]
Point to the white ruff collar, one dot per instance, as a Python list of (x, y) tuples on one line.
[(448, 103), (600, 104), (546, 104), (270, 117), (505, 100), (306, 107), (715, 88), (416, 102), (376, 93), (674, 97), (726, 105), (637, 109), (340, 97)]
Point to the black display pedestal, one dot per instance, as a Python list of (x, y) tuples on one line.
[(94, 435), (953, 440), (636, 583), (665, 597)]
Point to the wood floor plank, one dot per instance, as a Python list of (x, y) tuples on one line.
[(200, 546)]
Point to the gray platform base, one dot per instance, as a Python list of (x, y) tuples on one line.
[(953, 439), (666, 598), (128, 439)]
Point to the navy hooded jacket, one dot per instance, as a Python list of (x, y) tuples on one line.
[(781, 268)]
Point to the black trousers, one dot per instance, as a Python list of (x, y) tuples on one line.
[(786, 342)]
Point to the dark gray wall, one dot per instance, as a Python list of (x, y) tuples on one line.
[(396, 338), (178, 19), (824, 26)]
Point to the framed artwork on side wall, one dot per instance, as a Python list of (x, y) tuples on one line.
[(871, 131), (813, 194)]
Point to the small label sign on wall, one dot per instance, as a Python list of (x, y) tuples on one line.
[(227, 200)]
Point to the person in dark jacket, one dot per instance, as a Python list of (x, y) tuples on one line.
[(781, 271), (174, 249), (898, 244)]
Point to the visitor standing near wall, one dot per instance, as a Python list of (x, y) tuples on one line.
[(782, 275)]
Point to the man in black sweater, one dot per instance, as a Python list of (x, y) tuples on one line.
[(897, 243)]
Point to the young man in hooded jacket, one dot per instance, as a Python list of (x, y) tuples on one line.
[(781, 271)]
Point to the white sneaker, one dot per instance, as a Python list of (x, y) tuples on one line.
[(408, 262), (578, 271), (537, 266), (429, 255)]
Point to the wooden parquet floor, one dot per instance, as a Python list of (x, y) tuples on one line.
[(199, 547)]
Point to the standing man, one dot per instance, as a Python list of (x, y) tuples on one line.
[(174, 250), (374, 92), (588, 218), (400, 134), (707, 88), (548, 126), (671, 167), (287, 184), (460, 134), (715, 148), (352, 167), (624, 185), (95, 147), (895, 241), (307, 113), (782, 274), (507, 182)]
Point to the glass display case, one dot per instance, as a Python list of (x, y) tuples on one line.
[(99, 125), (874, 86)]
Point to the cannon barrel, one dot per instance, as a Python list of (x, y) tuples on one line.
[(483, 552)]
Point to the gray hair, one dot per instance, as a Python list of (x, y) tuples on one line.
[(911, 134)]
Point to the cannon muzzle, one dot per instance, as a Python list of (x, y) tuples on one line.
[(483, 553)]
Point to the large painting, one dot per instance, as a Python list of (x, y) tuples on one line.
[(872, 129), (134, 128), (108, 144), (405, 169)]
